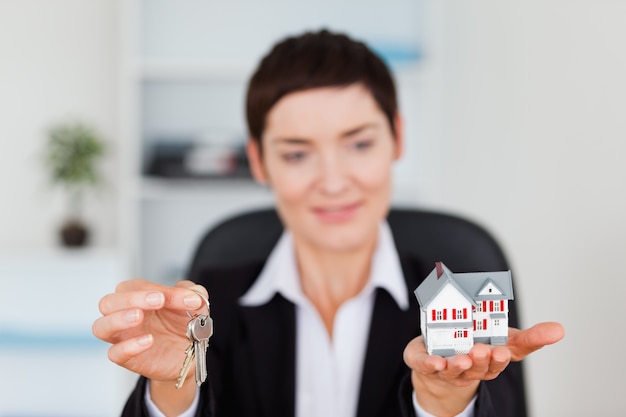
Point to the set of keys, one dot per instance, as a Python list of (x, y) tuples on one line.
[(199, 330)]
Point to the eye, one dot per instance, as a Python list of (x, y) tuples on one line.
[(294, 157), (363, 144)]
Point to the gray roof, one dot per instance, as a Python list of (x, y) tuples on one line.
[(468, 283)]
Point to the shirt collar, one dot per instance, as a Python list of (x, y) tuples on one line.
[(280, 274)]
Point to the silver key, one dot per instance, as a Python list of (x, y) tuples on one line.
[(190, 354), (201, 328)]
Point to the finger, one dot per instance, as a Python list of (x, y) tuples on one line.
[(481, 358), (457, 365), (106, 327), (122, 352), (138, 284), (181, 298), (196, 289), (523, 342), (417, 358), (500, 359), (192, 286), (145, 300)]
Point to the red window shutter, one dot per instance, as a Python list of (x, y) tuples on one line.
[(445, 314), (484, 324), (474, 325), (501, 305), (434, 315), (465, 313), (454, 314), (464, 333), (491, 305), (455, 334), (484, 306)]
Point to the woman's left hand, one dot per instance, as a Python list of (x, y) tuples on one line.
[(445, 386)]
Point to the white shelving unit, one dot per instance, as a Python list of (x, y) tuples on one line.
[(187, 66)]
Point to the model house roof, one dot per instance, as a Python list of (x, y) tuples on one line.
[(475, 286)]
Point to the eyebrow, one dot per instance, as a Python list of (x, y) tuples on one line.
[(347, 134), (358, 129), (290, 141)]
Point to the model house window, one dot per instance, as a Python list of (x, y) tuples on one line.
[(460, 334), (479, 308), (478, 324), (459, 314), (439, 315), (496, 322), (496, 307)]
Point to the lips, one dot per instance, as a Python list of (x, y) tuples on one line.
[(336, 213)]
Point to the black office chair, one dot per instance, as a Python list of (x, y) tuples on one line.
[(461, 245)]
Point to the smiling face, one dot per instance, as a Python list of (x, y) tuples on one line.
[(327, 154)]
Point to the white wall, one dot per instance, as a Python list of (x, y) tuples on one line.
[(58, 62), (533, 145)]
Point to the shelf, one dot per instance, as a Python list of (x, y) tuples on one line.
[(60, 339), (174, 189), (76, 279)]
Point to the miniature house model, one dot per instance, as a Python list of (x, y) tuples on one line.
[(458, 310)]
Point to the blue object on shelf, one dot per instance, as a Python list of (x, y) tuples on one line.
[(396, 54)]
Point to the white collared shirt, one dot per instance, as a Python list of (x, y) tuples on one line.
[(328, 371)]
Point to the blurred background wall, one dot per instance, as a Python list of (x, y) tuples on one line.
[(534, 139), (516, 119), (59, 61)]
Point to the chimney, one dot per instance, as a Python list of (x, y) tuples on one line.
[(439, 267)]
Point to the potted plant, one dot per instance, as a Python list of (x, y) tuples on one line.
[(72, 153)]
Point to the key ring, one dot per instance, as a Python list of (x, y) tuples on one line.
[(206, 300)]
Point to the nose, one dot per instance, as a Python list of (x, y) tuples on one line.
[(333, 175)]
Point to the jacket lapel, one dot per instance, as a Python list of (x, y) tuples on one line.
[(390, 331), (271, 331)]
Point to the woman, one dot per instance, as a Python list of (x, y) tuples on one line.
[(326, 326)]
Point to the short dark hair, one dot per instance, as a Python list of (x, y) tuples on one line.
[(313, 60)]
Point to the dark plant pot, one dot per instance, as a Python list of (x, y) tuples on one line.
[(74, 234)]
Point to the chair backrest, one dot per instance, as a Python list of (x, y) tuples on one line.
[(462, 245)]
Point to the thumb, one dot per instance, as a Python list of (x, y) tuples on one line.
[(524, 342)]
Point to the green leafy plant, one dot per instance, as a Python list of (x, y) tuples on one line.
[(72, 153)]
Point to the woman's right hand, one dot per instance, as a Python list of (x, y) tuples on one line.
[(146, 324)]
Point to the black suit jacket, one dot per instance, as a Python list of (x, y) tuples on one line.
[(251, 357)]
